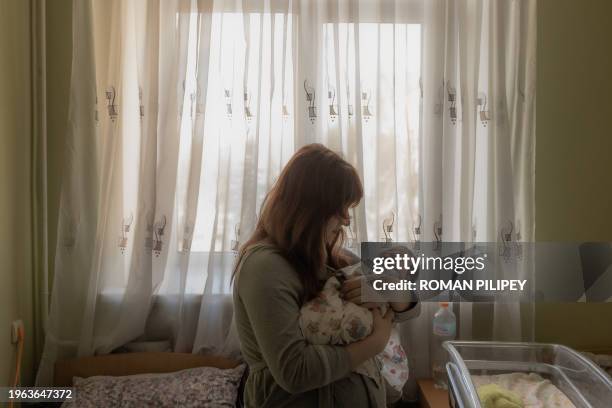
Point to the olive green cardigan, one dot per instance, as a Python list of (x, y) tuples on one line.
[(285, 370)]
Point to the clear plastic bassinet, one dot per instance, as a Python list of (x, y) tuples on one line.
[(585, 384)]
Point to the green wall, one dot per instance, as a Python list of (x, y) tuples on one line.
[(15, 194), (15, 162), (574, 150), (59, 61)]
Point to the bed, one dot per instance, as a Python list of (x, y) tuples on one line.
[(162, 378)]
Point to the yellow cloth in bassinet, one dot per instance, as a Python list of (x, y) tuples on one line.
[(494, 396)]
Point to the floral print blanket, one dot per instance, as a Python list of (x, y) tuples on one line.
[(328, 319)]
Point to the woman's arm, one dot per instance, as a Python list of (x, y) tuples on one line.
[(270, 290), (375, 343), (401, 307), (413, 310)]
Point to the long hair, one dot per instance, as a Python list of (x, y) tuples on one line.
[(314, 186)]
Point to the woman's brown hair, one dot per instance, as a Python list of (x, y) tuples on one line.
[(314, 186)]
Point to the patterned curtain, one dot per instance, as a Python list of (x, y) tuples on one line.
[(183, 113)]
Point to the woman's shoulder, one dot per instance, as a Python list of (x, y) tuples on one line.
[(263, 264), (263, 254)]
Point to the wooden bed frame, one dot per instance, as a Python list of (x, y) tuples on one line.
[(152, 362), (133, 363)]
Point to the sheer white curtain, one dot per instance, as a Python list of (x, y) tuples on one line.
[(477, 148), (183, 112)]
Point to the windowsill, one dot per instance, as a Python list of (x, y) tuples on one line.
[(430, 396)]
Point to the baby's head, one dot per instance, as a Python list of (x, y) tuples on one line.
[(402, 252)]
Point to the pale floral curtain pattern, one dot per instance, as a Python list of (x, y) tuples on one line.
[(183, 113)]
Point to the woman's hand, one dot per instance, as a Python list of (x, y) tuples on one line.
[(351, 292)]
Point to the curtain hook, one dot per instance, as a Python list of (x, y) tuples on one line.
[(437, 231), (366, 96), (187, 237), (310, 98), (140, 103), (228, 103), (483, 112), (333, 111), (112, 107), (126, 223), (235, 244), (506, 251), (247, 109), (452, 99), (158, 231), (416, 230), (387, 226)]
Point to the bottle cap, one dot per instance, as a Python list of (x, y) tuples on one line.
[(443, 304)]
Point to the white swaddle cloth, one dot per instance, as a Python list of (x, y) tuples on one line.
[(329, 319)]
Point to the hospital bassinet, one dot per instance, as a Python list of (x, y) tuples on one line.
[(585, 384)]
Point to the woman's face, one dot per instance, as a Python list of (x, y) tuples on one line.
[(335, 224)]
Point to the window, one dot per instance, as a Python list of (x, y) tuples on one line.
[(252, 93)]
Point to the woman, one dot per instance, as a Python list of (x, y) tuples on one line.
[(296, 246)]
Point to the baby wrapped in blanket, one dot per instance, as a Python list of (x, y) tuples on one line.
[(328, 319)]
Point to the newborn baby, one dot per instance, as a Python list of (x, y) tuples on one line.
[(328, 319)]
